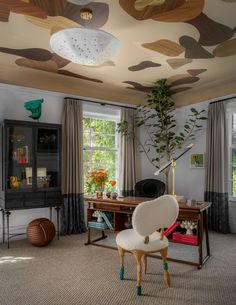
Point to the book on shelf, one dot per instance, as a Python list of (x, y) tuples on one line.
[(171, 228), (21, 155), (190, 239), (97, 225), (107, 221)]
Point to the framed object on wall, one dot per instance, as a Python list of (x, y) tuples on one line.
[(196, 160)]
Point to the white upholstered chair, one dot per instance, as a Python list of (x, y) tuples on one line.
[(148, 217)]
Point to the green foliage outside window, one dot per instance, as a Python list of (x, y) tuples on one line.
[(100, 148)]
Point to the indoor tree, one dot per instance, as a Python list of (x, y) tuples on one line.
[(163, 135)]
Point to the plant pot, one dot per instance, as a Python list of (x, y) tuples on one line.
[(99, 194)]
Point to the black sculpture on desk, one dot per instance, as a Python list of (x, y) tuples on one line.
[(150, 188)]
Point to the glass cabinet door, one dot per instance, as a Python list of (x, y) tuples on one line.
[(19, 157), (48, 158)]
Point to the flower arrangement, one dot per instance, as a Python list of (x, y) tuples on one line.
[(97, 180)]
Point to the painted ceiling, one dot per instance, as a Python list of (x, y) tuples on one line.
[(192, 43)]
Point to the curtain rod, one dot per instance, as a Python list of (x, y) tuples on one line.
[(100, 103), (225, 99)]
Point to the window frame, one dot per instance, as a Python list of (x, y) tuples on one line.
[(106, 117)]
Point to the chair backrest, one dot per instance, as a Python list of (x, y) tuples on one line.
[(153, 215), (151, 188)]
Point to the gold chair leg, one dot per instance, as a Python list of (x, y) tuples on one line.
[(165, 266), (138, 256), (145, 263), (122, 268)]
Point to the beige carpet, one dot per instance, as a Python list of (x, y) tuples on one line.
[(69, 273)]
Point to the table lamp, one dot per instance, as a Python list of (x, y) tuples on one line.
[(172, 163)]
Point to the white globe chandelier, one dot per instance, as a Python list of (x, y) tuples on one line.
[(84, 46)]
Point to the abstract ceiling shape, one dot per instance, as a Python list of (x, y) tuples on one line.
[(195, 72), (149, 11), (71, 74), (79, 2), (193, 49), (176, 63), (227, 48), (186, 80), (189, 10), (211, 32), (100, 14), (17, 6), (33, 53), (144, 65), (55, 29), (138, 86), (141, 4), (53, 66), (179, 89), (176, 77), (48, 66), (61, 62), (51, 22), (108, 63), (51, 7), (169, 11), (165, 46)]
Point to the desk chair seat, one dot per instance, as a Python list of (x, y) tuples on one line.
[(148, 218), (130, 241)]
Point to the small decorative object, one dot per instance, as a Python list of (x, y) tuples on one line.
[(196, 160), (128, 223), (40, 232), (99, 194), (15, 182), (98, 215), (108, 194), (35, 108), (189, 226), (96, 182), (114, 195)]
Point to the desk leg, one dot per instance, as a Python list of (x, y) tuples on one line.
[(89, 237), (8, 213), (205, 218), (200, 248), (3, 226), (58, 221)]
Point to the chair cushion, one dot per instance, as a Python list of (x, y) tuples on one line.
[(130, 240)]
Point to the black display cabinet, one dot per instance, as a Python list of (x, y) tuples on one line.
[(30, 168)]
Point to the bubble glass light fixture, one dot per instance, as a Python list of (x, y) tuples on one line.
[(84, 46)]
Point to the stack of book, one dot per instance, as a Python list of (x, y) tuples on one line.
[(189, 239), (97, 225)]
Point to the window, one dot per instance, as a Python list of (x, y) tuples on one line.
[(232, 154), (100, 146)]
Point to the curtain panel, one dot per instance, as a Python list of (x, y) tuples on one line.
[(72, 216), (128, 157), (216, 189)]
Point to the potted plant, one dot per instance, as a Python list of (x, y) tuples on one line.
[(159, 122)]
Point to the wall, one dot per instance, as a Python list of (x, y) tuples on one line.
[(189, 182), (12, 100)]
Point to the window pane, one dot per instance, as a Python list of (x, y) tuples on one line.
[(86, 124), (102, 134)]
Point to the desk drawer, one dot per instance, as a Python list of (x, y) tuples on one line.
[(189, 215), (104, 207), (34, 200)]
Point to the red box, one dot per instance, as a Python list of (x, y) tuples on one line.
[(190, 239), (171, 228)]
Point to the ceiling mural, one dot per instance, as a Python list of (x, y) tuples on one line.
[(191, 43)]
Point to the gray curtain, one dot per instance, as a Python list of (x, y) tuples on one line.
[(127, 157), (72, 221), (216, 190)]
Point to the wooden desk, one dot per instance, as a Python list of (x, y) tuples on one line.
[(122, 207)]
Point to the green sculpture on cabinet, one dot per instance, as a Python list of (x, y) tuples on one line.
[(35, 107)]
